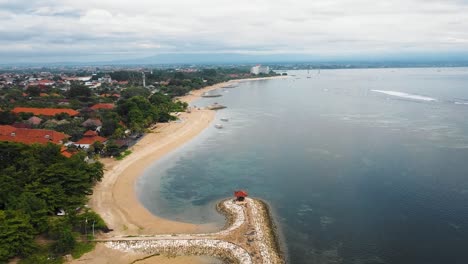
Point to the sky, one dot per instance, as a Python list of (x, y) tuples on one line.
[(109, 30)]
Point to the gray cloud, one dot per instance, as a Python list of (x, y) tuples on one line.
[(143, 27)]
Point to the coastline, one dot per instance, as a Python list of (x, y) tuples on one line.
[(115, 198)]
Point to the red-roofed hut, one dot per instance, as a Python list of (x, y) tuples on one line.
[(240, 195)]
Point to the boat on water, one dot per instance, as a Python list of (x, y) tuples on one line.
[(224, 119), (215, 106), (219, 126), (211, 95)]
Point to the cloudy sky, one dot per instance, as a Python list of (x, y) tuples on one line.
[(93, 30)]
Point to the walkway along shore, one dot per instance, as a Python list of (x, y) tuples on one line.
[(115, 199)]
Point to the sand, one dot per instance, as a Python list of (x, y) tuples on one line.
[(115, 199)]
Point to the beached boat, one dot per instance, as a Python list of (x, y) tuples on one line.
[(224, 119), (219, 126)]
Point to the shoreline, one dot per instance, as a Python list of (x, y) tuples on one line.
[(115, 197)]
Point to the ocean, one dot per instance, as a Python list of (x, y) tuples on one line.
[(360, 166)]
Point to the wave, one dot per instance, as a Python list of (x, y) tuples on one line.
[(461, 103), (406, 95)]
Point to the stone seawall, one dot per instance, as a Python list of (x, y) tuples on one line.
[(248, 238)]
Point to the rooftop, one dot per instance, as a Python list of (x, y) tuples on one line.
[(45, 111)]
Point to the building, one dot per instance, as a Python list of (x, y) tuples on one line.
[(89, 137), (257, 69), (103, 106), (92, 122), (31, 136), (45, 111), (105, 79)]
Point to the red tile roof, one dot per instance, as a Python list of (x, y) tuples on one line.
[(6, 130), (45, 111), (240, 193), (90, 133), (64, 151), (90, 140), (102, 106), (31, 136)]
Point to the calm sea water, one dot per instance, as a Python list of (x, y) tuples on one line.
[(353, 175)]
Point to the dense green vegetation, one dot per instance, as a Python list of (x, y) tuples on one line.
[(36, 182)]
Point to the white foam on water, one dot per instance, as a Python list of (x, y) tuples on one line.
[(406, 95), (461, 103)]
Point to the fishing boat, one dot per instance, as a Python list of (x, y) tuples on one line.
[(216, 106), (211, 95)]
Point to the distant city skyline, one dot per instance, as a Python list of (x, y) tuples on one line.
[(51, 31)]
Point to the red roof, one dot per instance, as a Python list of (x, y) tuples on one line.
[(31, 136), (45, 111), (64, 151), (6, 130), (90, 133), (102, 106), (240, 193), (90, 140), (46, 82)]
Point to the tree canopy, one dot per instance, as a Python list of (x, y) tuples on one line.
[(35, 182)]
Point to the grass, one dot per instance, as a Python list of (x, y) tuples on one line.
[(81, 248), (123, 155)]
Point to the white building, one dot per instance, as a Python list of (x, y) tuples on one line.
[(260, 69)]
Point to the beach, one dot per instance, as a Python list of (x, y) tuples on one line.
[(115, 199)]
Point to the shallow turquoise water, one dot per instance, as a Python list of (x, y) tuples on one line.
[(353, 175)]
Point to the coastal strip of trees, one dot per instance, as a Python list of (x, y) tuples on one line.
[(42, 202)]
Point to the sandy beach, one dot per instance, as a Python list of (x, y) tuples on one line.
[(115, 199)]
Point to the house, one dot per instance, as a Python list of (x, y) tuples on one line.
[(45, 111), (92, 122), (102, 106), (31, 136), (89, 137), (46, 83)]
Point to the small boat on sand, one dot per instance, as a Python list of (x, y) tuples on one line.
[(219, 126), (224, 119)]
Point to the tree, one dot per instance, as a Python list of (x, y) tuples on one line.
[(33, 90), (36, 208), (110, 122), (7, 118), (78, 90), (36, 181), (65, 242), (135, 91), (112, 149), (16, 235)]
